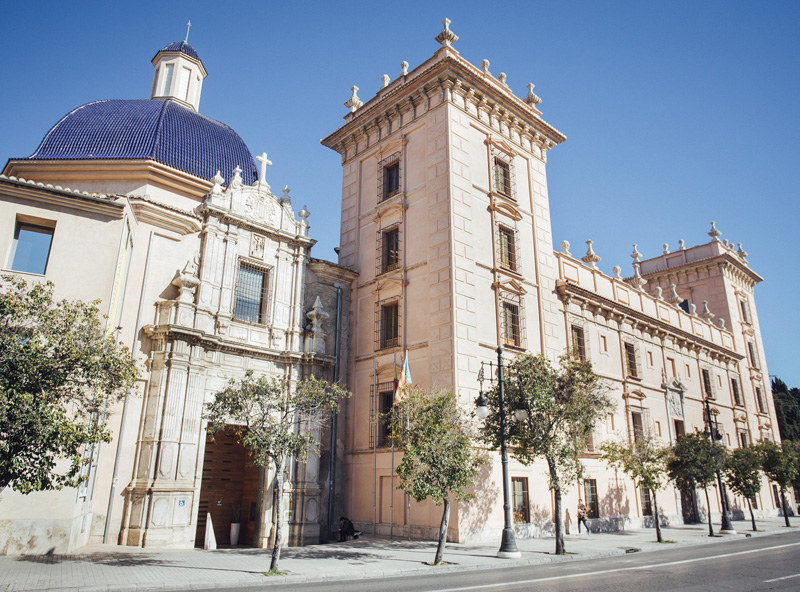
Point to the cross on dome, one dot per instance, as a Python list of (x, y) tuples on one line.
[(188, 26), (265, 162)]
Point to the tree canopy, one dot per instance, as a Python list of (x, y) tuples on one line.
[(274, 422), (563, 402), (644, 460), (743, 475), (438, 460), (59, 372), (780, 464), (787, 409)]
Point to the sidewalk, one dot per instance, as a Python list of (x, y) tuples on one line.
[(113, 568)]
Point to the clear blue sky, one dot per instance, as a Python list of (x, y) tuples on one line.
[(676, 113)]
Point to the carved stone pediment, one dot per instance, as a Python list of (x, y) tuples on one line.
[(512, 286), (501, 144), (507, 210)]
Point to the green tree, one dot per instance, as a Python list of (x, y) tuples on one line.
[(645, 461), (743, 475), (787, 409), (563, 403), (692, 463), (438, 461), (780, 464), (59, 372), (274, 423)]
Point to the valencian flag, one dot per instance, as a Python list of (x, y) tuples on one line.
[(403, 381)]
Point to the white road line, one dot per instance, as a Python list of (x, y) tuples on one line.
[(783, 578), (621, 569)]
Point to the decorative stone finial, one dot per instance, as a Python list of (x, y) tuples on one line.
[(721, 323), (725, 242), (636, 255), (741, 252), (404, 67), (265, 162), (286, 198), (659, 295), (674, 299), (237, 177), (317, 315), (590, 258), (617, 272), (706, 314), (446, 38), (693, 309), (218, 181), (682, 245), (714, 233), (565, 247), (187, 281), (666, 249), (637, 281), (385, 80), (532, 98), (304, 214), (354, 103), (485, 66), (502, 78)]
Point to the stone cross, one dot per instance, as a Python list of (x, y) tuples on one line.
[(188, 26), (265, 162)]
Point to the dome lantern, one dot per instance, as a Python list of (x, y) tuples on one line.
[(179, 74)]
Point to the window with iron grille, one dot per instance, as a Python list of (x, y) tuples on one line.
[(590, 497), (502, 176), (380, 405), (647, 500), (507, 248), (578, 342), (511, 320), (760, 400), (387, 321), (251, 293), (744, 438), (389, 176), (737, 395), (521, 509), (751, 351), (389, 249), (630, 360), (707, 384)]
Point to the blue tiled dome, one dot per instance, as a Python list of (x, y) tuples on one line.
[(157, 129), (182, 47)]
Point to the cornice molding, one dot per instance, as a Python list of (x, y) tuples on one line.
[(112, 207)]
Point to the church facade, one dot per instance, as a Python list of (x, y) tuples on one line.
[(446, 253)]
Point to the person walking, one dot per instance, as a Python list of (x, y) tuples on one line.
[(582, 517)]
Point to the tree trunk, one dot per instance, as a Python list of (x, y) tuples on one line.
[(752, 518), (708, 508), (276, 546), (655, 517), (785, 507), (559, 523), (442, 532)]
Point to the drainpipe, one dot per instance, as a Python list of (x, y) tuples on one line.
[(128, 394), (332, 466)]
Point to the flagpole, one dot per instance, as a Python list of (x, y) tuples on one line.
[(374, 446)]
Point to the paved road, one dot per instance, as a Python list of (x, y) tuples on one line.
[(763, 563)]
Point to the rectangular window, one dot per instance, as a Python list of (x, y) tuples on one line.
[(647, 500), (167, 80), (508, 248), (510, 324), (391, 180), (183, 89), (519, 487), (386, 402), (658, 428), (251, 294), (688, 371), (760, 400), (604, 343), (590, 498), (390, 249), (630, 360), (679, 429), (671, 366), (590, 441), (650, 359), (745, 311), (737, 395), (578, 342), (502, 177), (707, 384), (31, 248), (751, 352), (390, 325), (744, 439), (638, 426)]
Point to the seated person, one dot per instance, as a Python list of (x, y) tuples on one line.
[(346, 528)]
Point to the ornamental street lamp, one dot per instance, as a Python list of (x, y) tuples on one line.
[(508, 545), (712, 431)]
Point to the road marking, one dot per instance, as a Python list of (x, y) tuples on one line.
[(783, 578), (621, 569)]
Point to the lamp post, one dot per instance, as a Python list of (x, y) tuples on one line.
[(508, 545), (713, 433)]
